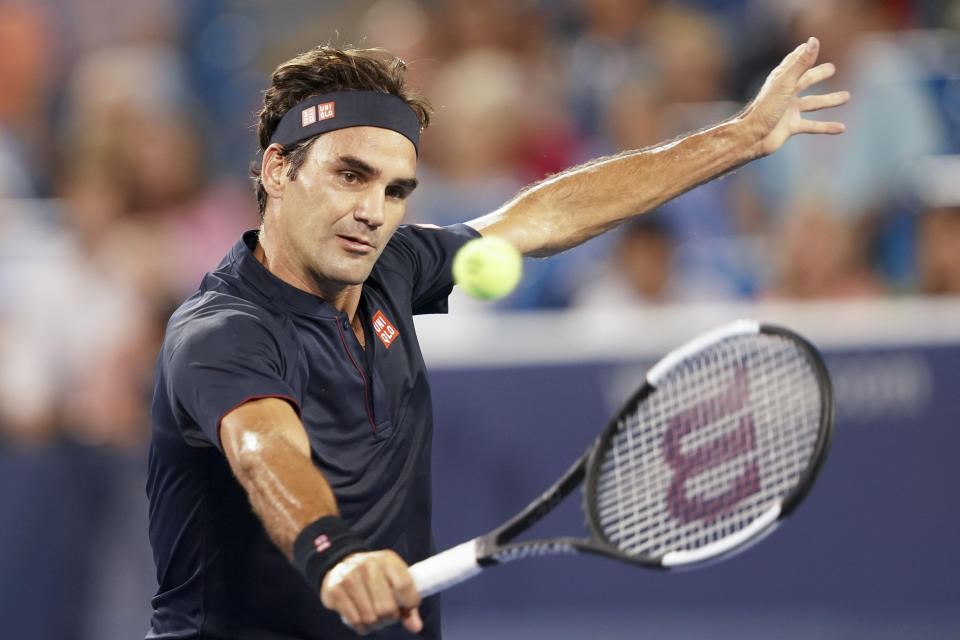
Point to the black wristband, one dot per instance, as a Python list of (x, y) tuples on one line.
[(321, 545)]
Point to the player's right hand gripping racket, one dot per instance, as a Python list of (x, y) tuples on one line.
[(723, 440)]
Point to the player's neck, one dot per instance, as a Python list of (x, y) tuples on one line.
[(342, 296)]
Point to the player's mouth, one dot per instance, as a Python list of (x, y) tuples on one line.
[(356, 244)]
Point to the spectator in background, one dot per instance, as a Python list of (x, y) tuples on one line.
[(468, 174), (72, 346), (87, 284), (636, 118), (131, 181), (27, 82), (682, 90), (75, 328), (408, 29), (149, 134), (639, 271), (494, 24), (715, 224), (637, 113), (502, 80), (939, 251), (822, 255), (691, 55), (607, 46), (433, 42)]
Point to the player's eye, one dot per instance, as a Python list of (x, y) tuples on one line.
[(396, 193), (349, 177)]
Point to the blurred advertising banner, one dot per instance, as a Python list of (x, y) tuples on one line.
[(871, 552)]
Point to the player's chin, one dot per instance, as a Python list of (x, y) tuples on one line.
[(354, 270)]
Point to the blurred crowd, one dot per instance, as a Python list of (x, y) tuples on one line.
[(126, 134)]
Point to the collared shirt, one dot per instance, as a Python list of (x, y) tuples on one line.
[(246, 334)]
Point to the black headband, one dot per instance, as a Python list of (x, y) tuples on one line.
[(332, 111)]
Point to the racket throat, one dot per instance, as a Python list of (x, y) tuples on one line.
[(535, 511), (530, 549)]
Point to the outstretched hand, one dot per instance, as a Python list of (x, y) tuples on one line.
[(777, 111)]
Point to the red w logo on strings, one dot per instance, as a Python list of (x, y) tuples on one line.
[(711, 454)]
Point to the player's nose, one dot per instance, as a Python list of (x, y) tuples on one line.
[(370, 208)]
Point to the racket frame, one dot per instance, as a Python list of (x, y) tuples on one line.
[(496, 547), (767, 521)]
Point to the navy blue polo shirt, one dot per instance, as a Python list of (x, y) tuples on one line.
[(246, 334)]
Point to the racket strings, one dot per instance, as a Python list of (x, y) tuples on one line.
[(728, 433)]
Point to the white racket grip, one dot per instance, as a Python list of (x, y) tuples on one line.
[(446, 569)]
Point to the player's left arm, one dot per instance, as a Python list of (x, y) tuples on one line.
[(571, 207)]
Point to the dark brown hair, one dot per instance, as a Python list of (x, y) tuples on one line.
[(325, 69)]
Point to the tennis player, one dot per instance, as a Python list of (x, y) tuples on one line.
[(289, 470)]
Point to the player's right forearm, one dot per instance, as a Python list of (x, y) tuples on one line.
[(285, 490), (269, 453)]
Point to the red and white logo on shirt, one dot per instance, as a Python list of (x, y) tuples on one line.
[(384, 330)]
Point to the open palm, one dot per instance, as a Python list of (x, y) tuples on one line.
[(778, 110)]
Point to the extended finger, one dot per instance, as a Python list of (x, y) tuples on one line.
[(820, 126), (817, 74), (802, 58), (825, 101)]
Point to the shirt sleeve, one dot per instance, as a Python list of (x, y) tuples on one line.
[(424, 253), (218, 360)]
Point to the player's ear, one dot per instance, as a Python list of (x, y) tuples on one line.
[(272, 170)]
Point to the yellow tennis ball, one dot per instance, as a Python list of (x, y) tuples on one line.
[(487, 268)]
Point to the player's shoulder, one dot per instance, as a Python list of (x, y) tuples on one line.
[(217, 317), (423, 232), (416, 240), (407, 236)]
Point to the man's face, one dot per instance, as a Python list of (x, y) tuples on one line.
[(336, 216)]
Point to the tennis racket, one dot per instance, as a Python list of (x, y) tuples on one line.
[(724, 438)]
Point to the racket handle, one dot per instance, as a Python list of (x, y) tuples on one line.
[(446, 568)]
